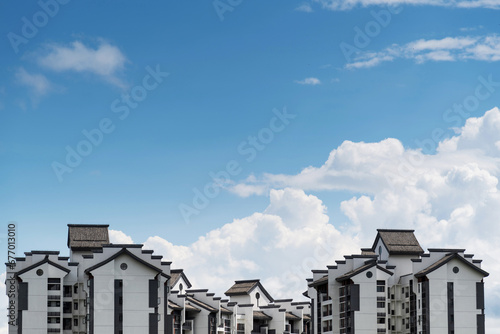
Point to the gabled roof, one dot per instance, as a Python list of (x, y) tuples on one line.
[(191, 308), (201, 304), (173, 305), (291, 316), (225, 310), (87, 237), (46, 260), (359, 270), (398, 242), (259, 315), (244, 287), (176, 274), (125, 251), (320, 281), (447, 258)]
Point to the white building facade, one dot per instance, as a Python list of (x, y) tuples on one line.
[(101, 288), (394, 287)]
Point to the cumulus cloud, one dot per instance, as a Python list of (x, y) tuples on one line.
[(450, 198), (308, 81), (105, 61), (118, 237), (280, 245), (481, 48), (350, 4)]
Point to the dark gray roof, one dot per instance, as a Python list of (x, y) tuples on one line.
[(259, 315), (201, 304), (447, 258), (125, 251), (175, 275), (173, 305), (225, 310), (320, 281), (87, 237), (191, 308), (398, 242), (359, 270), (291, 316), (46, 260), (245, 287)]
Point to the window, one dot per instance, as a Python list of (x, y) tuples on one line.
[(380, 320), (39, 272), (53, 303), (54, 286), (67, 307), (53, 320), (75, 306), (380, 304), (66, 323), (75, 322), (75, 289), (240, 329), (67, 291), (380, 286)]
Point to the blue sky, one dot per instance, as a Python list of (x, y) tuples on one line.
[(229, 74)]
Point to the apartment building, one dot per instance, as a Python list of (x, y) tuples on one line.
[(256, 311), (99, 288), (104, 288), (396, 287)]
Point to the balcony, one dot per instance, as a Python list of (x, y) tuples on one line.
[(187, 326)]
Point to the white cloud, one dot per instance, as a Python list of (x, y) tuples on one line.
[(37, 83), (306, 7), (350, 4), (118, 237), (485, 48), (467, 29), (308, 81), (281, 244), (450, 198), (105, 61)]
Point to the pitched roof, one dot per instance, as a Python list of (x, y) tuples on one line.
[(320, 281), (173, 305), (225, 310), (125, 251), (244, 287), (291, 316), (190, 308), (259, 315), (359, 270), (87, 237), (201, 304), (46, 260), (447, 258), (176, 274), (399, 242)]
